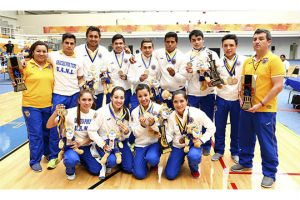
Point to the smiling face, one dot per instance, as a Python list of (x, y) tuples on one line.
[(85, 101), (118, 45), (229, 47), (147, 49), (93, 39), (117, 99), (40, 54), (143, 97), (179, 103)]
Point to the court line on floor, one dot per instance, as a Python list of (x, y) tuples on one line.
[(258, 173), (103, 180), (14, 150), (233, 185), (292, 110)]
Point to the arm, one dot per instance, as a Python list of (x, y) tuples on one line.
[(92, 131), (53, 120), (276, 89), (80, 80), (209, 125)]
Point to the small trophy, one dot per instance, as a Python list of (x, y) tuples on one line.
[(164, 113), (14, 66), (214, 73), (248, 91)]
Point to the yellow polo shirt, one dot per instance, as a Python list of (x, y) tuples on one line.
[(268, 67), (39, 84)]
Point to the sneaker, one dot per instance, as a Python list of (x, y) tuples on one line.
[(154, 169), (108, 170), (71, 177), (267, 182), (36, 167), (206, 152), (196, 174), (52, 163), (235, 159), (216, 157), (239, 168)]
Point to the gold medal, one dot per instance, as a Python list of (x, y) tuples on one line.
[(189, 64), (93, 67), (120, 72), (146, 72), (118, 122), (234, 81), (229, 80)]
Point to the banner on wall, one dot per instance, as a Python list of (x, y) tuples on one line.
[(167, 28)]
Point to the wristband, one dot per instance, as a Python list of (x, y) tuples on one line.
[(262, 103)]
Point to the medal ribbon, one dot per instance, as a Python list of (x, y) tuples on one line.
[(149, 109), (111, 109), (120, 65), (144, 61), (171, 57), (255, 66), (231, 69), (182, 128), (88, 52), (193, 56)]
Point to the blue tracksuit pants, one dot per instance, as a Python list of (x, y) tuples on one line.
[(223, 108), (38, 135), (261, 125), (143, 156)]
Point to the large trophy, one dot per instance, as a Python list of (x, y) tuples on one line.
[(248, 91), (162, 119), (214, 73), (14, 66)]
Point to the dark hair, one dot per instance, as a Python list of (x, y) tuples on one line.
[(125, 109), (34, 45), (146, 40), (267, 32), (230, 37), (171, 34), (283, 55), (196, 33), (68, 35), (78, 105), (142, 86), (93, 28), (177, 92), (116, 37)]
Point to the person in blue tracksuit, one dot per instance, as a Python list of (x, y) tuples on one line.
[(177, 128), (78, 120)]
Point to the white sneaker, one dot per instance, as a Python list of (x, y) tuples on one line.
[(102, 172), (71, 177), (108, 170), (235, 159), (216, 157)]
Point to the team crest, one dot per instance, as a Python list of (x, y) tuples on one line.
[(27, 113), (238, 63), (125, 60), (173, 62), (100, 55), (265, 61), (95, 115), (153, 67), (191, 120)]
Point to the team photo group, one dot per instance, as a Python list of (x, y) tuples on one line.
[(84, 104)]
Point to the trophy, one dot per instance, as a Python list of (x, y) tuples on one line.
[(162, 118), (214, 73), (14, 66), (248, 91)]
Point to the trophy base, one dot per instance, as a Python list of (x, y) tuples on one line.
[(246, 105), (217, 82), (20, 87)]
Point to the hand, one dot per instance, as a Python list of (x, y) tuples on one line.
[(13, 83), (123, 76), (124, 128), (127, 50), (143, 77), (181, 140), (171, 71), (23, 63), (189, 69), (151, 121), (254, 108), (210, 83), (142, 121), (106, 148), (75, 145), (196, 140), (132, 60)]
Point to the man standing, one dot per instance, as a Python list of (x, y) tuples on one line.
[(227, 101), (200, 97), (145, 68), (9, 48), (68, 75), (260, 120), (94, 57), (171, 65), (119, 65), (285, 62)]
